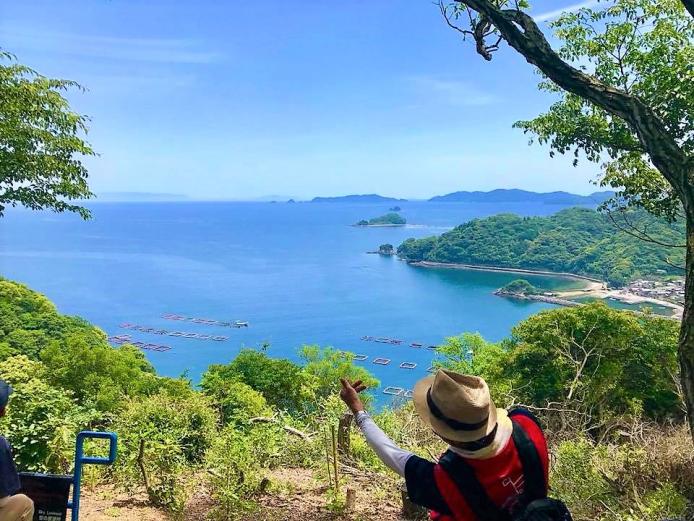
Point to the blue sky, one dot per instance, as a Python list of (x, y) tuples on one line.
[(236, 100)]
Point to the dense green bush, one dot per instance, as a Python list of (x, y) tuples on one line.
[(238, 402), (237, 461), (97, 373), (29, 322), (162, 439), (42, 420), (614, 483), (328, 365), (283, 383)]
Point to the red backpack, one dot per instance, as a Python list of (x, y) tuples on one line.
[(534, 505)]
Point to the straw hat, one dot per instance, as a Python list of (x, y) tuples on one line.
[(458, 407)]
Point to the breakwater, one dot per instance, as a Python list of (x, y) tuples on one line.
[(501, 269), (539, 298)]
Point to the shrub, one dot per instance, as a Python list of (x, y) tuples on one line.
[(236, 461), (281, 382), (161, 438), (97, 373), (42, 421), (237, 401), (328, 365), (616, 482)]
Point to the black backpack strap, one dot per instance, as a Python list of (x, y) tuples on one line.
[(533, 471), (476, 497)]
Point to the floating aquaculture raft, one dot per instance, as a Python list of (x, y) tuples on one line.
[(205, 321), (154, 331)]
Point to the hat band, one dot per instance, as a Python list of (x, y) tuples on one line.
[(453, 424)]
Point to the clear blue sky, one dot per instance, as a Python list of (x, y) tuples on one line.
[(239, 99)]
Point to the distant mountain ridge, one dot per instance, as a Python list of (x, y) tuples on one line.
[(522, 196), (364, 198), (122, 197)]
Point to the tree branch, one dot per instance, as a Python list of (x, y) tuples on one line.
[(522, 33), (630, 229), (288, 428)]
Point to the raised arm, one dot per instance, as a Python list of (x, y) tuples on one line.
[(388, 452)]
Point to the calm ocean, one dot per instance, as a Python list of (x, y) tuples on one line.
[(298, 273)]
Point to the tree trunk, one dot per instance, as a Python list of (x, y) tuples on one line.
[(686, 343)]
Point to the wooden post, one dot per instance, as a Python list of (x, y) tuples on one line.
[(351, 500), (343, 439), (335, 461), (327, 457)]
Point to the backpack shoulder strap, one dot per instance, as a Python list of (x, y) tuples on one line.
[(476, 497), (522, 411), (533, 472)]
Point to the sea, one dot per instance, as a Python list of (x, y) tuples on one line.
[(298, 273)]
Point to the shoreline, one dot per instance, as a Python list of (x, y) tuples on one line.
[(481, 267), (594, 288)]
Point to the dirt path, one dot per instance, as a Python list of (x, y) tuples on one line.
[(295, 496)]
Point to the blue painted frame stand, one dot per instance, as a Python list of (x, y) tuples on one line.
[(81, 459)]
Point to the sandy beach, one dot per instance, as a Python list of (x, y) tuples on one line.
[(593, 288)]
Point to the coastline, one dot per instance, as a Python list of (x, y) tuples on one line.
[(594, 288), (480, 267)]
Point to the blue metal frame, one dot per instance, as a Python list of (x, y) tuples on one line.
[(81, 459)]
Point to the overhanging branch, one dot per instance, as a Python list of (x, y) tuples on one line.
[(522, 33)]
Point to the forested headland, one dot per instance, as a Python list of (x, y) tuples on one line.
[(389, 219), (619, 447), (576, 240)]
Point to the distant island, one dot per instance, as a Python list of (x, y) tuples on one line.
[(522, 196), (518, 288), (395, 209), (524, 290), (579, 241), (125, 197), (389, 219), (366, 198)]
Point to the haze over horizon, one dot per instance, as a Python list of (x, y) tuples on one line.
[(317, 100)]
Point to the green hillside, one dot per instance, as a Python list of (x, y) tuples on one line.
[(575, 240)]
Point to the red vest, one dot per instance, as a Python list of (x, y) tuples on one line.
[(501, 475)]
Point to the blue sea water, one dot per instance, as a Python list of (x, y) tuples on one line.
[(299, 273)]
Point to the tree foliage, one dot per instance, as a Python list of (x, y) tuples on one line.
[(281, 382), (520, 287), (590, 359), (43, 420), (41, 143), (623, 75), (645, 48), (328, 365)]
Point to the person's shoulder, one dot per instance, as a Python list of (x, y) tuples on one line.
[(421, 484), (4, 444), (524, 417)]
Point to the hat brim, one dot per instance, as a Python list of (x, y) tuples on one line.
[(419, 397)]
